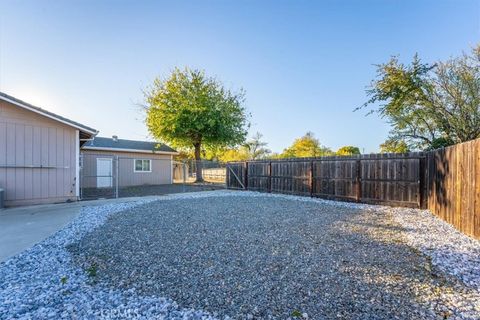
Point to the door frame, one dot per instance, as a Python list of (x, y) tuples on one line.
[(104, 177)]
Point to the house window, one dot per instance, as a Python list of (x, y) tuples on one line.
[(142, 165)]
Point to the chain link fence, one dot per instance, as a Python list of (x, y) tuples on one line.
[(212, 172), (104, 175)]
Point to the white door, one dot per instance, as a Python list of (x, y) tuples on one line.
[(104, 173)]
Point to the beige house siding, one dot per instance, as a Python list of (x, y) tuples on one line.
[(161, 168), (37, 157)]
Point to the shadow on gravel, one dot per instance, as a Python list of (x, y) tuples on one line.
[(265, 257)]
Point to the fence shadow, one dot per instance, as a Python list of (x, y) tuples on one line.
[(439, 171)]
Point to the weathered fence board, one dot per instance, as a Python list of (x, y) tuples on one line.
[(453, 185), (258, 176), (335, 179), (235, 175), (391, 180), (290, 178), (388, 179)]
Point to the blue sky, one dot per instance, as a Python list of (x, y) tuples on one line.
[(303, 64)]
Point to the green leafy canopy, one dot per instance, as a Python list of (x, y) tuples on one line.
[(429, 105), (394, 146), (306, 146), (188, 108), (348, 151)]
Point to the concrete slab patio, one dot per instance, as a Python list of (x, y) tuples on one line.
[(24, 226)]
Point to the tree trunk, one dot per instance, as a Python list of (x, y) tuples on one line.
[(198, 163)]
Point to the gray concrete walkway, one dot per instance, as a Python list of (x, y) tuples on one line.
[(22, 227)]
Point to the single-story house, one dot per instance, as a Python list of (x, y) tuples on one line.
[(108, 162), (39, 154)]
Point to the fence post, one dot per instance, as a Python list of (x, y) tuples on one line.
[(421, 182), (79, 179), (227, 183), (116, 175), (246, 175), (184, 174), (358, 181), (312, 191), (270, 176)]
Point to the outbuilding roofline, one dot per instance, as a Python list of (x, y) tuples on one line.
[(125, 145), (129, 150), (48, 114)]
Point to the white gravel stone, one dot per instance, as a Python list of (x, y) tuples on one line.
[(450, 250)]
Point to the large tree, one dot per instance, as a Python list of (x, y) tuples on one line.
[(306, 146), (257, 149), (429, 105), (191, 110), (253, 149), (348, 151), (394, 146), (237, 154)]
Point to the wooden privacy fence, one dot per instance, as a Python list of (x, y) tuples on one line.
[(379, 178), (446, 181), (453, 185)]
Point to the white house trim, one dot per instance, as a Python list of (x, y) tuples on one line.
[(130, 150), (48, 115), (77, 163), (171, 170)]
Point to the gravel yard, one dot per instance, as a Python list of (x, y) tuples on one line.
[(246, 255), (273, 257)]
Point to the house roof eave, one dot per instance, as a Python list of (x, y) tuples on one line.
[(88, 130)]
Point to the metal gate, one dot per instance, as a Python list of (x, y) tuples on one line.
[(98, 176)]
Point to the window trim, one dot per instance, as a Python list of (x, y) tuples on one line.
[(142, 171)]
